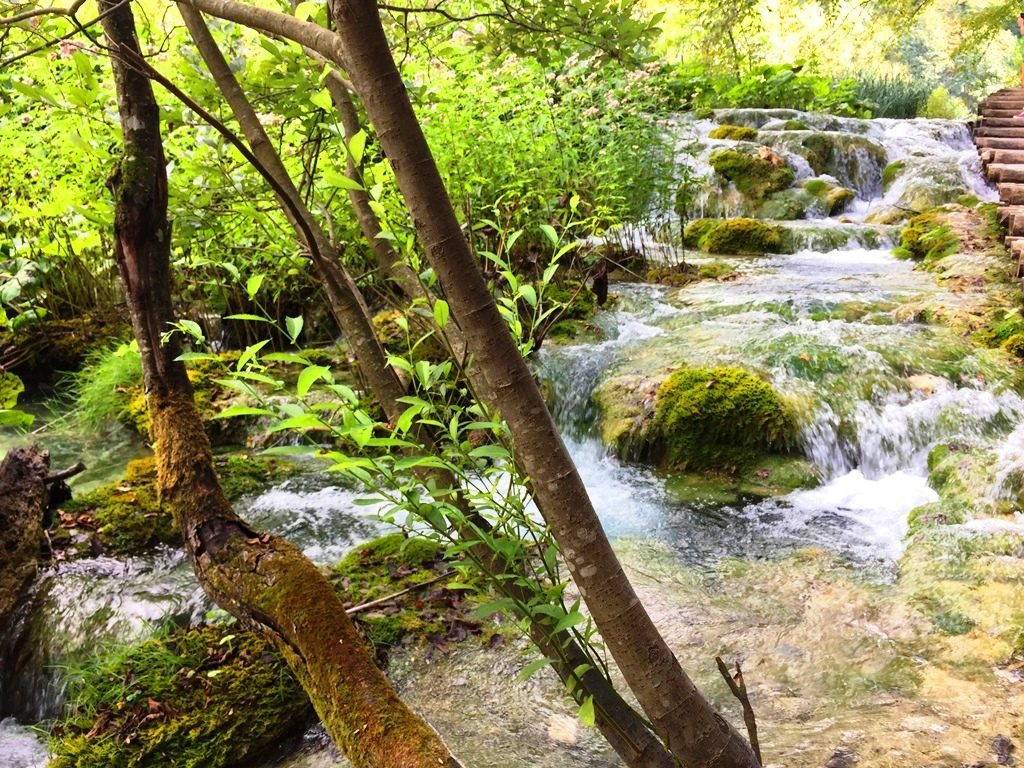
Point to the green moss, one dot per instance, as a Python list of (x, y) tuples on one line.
[(196, 698), (928, 238), (126, 518), (393, 563), (787, 205), (832, 199), (241, 474), (733, 132), (1015, 345), (732, 236), (755, 175), (795, 125), (718, 418), (936, 513), (715, 270), (891, 171)]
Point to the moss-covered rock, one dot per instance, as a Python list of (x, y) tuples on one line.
[(755, 174), (732, 236), (856, 161), (208, 697), (927, 237), (891, 172), (718, 418), (733, 132), (393, 563), (126, 518)]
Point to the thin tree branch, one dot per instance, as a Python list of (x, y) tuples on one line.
[(35, 14), (739, 690)]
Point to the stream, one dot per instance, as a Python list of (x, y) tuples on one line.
[(803, 587)]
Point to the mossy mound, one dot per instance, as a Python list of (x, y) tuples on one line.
[(766, 477), (732, 236), (126, 518), (1015, 345), (208, 697), (755, 174), (733, 133), (390, 564), (718, 418), (927, 237)]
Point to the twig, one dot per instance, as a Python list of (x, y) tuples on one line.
[(739, 690), (374, 603), (64, 474)]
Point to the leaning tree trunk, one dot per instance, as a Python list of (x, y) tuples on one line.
[(23, 499), (695, 733), (619, 723), (261, 579)]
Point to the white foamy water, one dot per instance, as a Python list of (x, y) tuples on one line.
[(20, 747), (325, 522)]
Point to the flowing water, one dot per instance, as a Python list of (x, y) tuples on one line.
[(796, 586)]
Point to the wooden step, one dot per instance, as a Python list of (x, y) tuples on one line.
[(998, 142), (1011, 194), (1002, 156), (1014, 132), (1001, 122), (1006, 212), (1013, 174), (999, 113)]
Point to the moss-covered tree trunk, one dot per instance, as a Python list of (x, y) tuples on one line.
[(263, 580), (23, 498), (695, 733)]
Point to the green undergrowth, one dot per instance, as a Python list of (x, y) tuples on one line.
[(206, 697), (718, 418), (126, 518), (429, 612)]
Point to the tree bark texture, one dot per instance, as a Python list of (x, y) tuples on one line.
[(694, 732), (23, 499), (261, 579), (626, 732)]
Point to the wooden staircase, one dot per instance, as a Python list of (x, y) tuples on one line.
[(999, 137)]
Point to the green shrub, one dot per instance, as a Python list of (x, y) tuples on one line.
[(891, 96), (941, 104), (719, 418)]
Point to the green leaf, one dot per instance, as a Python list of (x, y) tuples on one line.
[(17, 419), (251, 318), (549, 233), (323, 100), (340, 181), (441, 313), (571, 619), (356, 146), (186, 357), (253, 284), (532, 668), (309, 376), (293, 326), (586, 713), (243, 410), (285, 357), (249, 353), (489, 452), (306, 10), (529, 294), (192, 328)]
